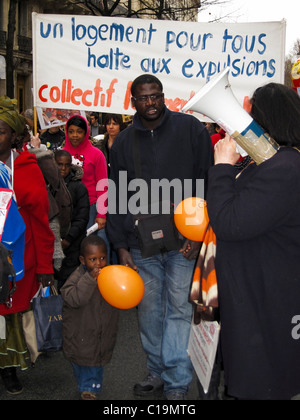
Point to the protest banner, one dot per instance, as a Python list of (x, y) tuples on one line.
[(89, 62)]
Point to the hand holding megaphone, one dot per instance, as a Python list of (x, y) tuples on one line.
[(226, 151), (217, 101)]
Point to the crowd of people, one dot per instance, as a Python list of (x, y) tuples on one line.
[(253, 211)]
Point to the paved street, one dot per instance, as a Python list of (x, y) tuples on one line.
[(52, 376)]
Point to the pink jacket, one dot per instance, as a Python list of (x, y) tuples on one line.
[(93, 163)]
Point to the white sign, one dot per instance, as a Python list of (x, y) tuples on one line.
[(5, 202), (202, 349), (89, 62)]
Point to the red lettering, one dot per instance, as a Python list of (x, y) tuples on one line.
[(43, 87), (76, 92), (89, 98), (127, 96), (63, 91), (110, 91), (52, 92), (97, 90), (84, 95)]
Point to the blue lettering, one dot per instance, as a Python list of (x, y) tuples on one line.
[(251, 48), (262, 43), (251, 68), (45, 35), (183, 39), (226, 37), (272, 68), (237, 44), (155, 65), (238, 67), (57, 27), (114, 60), (115, 32), (187, 65)]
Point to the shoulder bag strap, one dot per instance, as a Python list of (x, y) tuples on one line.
[(136, 154)]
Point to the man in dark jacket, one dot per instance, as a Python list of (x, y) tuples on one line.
[(172, 148), (80, 214), (53, 137)]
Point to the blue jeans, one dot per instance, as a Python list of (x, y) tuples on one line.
[(165, 316), (101, 232), (88, 378)]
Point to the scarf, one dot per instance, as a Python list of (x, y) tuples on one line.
[(204, 290), (10, 115)]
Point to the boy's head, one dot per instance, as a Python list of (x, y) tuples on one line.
[(64, 161), (93, 254)]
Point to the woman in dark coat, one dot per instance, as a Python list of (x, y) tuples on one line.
[(256, 218)]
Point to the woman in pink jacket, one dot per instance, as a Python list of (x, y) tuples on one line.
[(94, 167)]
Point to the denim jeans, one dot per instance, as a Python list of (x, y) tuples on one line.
[(88, 378), (165, 316), (101, 232)]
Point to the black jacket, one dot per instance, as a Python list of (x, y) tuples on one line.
[(256, 220), (80, 218), (178, 149), (53, 141)]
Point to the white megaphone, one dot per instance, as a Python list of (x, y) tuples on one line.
[(216, 101)]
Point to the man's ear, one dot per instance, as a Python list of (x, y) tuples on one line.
[(247, 104), (133, 102)]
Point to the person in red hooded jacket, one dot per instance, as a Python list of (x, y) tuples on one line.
[(32, 200)]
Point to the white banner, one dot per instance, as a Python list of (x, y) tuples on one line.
[(89, 62)]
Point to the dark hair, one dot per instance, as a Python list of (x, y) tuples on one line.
[(117, 118), (78, 121), (94, 114), (276, 108), (63, 153), (91, 240), (145, 78)]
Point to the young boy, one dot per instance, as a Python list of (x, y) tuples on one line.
[(89, 322), (80, 214)]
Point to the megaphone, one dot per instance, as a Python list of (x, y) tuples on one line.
[(217, 101)]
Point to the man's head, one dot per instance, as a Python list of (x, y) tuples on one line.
[(93, 254), (148, 99), (54, 129), (64, 161), (94, 118)]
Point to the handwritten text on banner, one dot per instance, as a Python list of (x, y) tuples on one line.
[(88, 62)]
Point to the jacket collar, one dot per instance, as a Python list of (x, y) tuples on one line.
[(137, 123)]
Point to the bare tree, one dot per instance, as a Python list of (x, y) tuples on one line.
[(150, 9)]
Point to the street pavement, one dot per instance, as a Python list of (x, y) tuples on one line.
[(52, 377)]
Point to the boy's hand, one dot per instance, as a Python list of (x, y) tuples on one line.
[(101, 222), (95, 273)]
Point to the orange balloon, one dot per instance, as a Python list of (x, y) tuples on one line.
[(121, 286), (191, 218)]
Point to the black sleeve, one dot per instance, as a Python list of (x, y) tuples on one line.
[(265, 198), (81, 211)]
